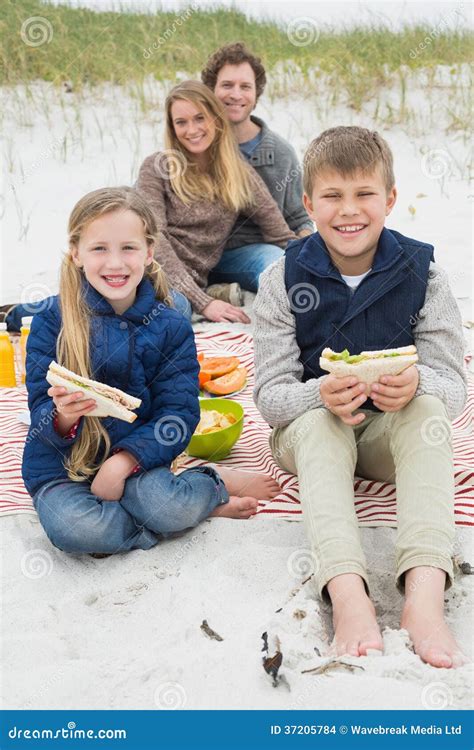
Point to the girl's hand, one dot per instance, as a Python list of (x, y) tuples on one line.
[(342, 396), (219, 312), (70, 407), (109, 482), (393, 392)]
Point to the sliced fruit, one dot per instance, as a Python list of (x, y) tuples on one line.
[(203, 378), (229, 383), (217, 366), (200, 356)]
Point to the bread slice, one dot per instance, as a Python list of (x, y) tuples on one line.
[(111, 402), (373, 366)]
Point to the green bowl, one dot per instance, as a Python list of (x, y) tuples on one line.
[(217, 445)]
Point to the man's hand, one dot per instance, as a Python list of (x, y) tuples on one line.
[(109, 481), (342, 396), (393, 392), (219, 312)]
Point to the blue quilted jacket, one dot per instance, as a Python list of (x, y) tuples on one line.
[(149, 352)]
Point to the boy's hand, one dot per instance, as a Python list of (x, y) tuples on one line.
[(393, 392), (342, 396), (109, 481)]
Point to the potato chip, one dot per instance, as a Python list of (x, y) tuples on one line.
[(212, 421)]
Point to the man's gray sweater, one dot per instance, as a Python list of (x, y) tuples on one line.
[(275, 161)]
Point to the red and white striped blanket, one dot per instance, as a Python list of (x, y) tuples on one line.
[(375, 501)]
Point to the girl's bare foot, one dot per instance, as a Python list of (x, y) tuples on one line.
[(355, 626), (240, 482), (237, 507), (423, 617)]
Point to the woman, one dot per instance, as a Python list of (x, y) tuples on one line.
[(196, 188)]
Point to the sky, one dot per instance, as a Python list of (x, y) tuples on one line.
[(331, 13)]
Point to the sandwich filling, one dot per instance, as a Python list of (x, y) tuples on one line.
[(116, 398), (352, 359)]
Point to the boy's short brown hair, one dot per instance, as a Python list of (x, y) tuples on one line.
[(233, 54), (347, 149)]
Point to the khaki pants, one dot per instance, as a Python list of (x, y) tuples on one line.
[(411, 448)]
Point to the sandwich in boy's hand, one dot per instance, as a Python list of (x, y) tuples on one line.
[(111, 402), (368, 367)]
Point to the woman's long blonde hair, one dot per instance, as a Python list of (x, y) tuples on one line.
[(227, 177), (73, 350)]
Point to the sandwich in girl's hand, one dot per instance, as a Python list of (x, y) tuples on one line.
[(368, 367), (111, 402)]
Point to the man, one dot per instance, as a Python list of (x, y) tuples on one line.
[(238, 79)]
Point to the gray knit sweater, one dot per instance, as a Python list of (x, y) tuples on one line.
[(191, 238), (276, 162), (280, 394)]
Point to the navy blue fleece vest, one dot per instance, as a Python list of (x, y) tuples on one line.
[(380, 314)]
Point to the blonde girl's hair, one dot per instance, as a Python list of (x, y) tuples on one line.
[(73, 349), (227, 177)]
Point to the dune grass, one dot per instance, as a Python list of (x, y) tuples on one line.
[(86, 46)]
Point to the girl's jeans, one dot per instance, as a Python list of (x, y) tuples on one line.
[(411, 447), (154, 505)]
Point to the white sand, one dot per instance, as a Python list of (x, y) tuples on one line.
[(124, 632)]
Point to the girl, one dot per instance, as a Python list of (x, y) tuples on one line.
[(197, 187), (112, 321)]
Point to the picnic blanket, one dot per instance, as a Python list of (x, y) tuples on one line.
[(375, 501)]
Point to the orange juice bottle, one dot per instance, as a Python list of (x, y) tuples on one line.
[(24, 330), (7, 359)]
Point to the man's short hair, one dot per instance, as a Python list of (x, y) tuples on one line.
[(346, 150), (233, 54)]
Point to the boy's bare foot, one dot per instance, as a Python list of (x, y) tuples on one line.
[(423, 617), (355, 626), (237, 507), (240, 482)]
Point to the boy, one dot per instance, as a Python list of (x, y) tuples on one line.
[(238, 79), (357, 285)]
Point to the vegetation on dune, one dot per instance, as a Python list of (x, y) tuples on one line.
[(56, 43)]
